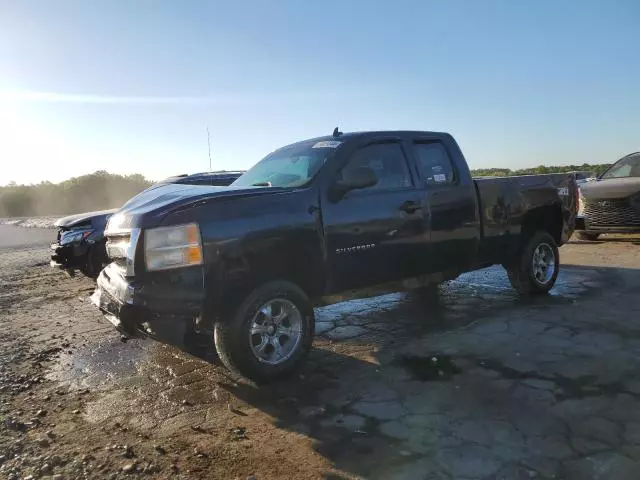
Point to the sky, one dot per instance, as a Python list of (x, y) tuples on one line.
[(131, 86)]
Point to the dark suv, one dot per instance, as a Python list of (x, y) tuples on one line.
[(611, 204)]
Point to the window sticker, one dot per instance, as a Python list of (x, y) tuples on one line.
[(327, 144), (440, 178)]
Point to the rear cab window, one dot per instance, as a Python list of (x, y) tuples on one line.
[(435, 163)]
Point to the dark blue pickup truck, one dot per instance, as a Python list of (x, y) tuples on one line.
[(244, 265)]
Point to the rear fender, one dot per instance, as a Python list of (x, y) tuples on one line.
[(547, 218)]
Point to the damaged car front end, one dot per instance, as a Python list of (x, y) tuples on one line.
[(80, 243)]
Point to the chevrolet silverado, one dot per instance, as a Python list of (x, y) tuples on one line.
[(244, 266)]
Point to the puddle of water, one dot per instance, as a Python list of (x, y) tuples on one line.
[(466, 298), (430, 368), (340, 311), (96, 365)]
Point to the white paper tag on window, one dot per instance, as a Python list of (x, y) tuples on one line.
[(440, 178), (376, 164), (327, 144)]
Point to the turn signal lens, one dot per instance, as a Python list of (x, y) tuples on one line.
[(194, 255)]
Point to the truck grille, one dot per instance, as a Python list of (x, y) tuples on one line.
[(615, 212), (121, 248)]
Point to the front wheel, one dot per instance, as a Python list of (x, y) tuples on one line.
[(270, 333), (536, 268)]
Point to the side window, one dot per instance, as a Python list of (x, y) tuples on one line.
[(387, 161), (435, 162)]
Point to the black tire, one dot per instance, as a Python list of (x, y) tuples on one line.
[(232, 339), (91, 267), (521, 272), (589, 237), (429, 293), (95, 260)]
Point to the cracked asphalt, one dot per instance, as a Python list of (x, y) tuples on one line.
[(469, 382)]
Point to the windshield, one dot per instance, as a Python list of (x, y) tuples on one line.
[(627, 167), (291, 166)]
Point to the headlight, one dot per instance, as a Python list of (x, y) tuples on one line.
[(71, 236), (172, 247)]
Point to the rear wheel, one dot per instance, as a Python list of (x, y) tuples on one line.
[(270, 333), (536, 268), (589, 237)]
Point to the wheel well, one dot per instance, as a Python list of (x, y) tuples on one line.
[(547, 218), (230, 284)]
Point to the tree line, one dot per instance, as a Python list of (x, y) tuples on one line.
[(102, 190), (96, 191), (596, 170)]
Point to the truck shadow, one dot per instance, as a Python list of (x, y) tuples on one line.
[(347, 397)]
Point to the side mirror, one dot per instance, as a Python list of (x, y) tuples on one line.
[(355, 179)]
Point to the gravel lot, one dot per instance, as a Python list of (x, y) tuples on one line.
[(473, 383)]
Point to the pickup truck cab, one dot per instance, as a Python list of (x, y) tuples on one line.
[(246, 264)]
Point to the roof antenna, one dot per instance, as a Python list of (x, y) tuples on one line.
[(209, 145), (336, 132)]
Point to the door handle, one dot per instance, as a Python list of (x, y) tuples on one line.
[(410, 206)]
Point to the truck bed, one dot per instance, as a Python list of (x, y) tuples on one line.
[(503, 202)]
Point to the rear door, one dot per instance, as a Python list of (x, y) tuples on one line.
[(377, 234), (453, 205)]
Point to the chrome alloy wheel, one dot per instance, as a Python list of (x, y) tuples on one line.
[(544, 263), (276, 331)]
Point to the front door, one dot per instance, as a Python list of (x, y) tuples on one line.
[(380, 233)]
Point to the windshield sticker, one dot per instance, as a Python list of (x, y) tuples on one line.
[(376, 164), (440, 178), (327, 144)]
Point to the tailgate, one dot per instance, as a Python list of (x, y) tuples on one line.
[(568, 192)]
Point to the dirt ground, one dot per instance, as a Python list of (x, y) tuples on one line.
[(473, 383)]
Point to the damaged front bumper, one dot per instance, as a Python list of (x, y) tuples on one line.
[(145, 310), (67, 257)]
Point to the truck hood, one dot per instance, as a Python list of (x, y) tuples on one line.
[(73, 220), (610, 188), (148, 208)]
